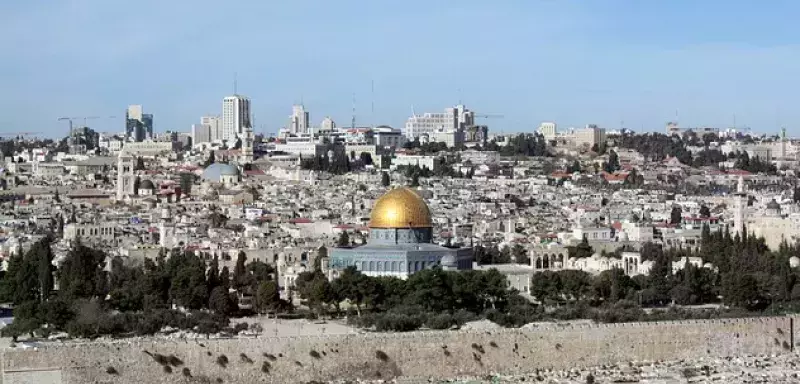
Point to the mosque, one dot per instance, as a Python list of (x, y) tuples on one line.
[(400, 241)]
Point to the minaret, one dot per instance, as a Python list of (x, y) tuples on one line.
[(247, 146), (783, 144), (739, 204)]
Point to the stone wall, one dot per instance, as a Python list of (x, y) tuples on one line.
[(439, 354)]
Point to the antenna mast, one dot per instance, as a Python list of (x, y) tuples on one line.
[(353, 120), (235, 81), (372, 104)]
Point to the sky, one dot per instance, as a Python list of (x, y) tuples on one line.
[(614, 63)]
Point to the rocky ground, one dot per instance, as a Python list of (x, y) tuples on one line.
[(734, 370)]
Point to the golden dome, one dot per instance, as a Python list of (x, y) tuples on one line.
[(400, 208)]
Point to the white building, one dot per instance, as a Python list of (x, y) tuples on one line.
[(452, 119), (235, 117), (150, 148), (298, 121), (304, 146), (412, 160), (548, 130), (210, 129), (589, 136), (327, 126)]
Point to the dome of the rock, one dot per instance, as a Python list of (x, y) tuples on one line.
[(400, 208)]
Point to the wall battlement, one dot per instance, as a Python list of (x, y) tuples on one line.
[(423, 354)]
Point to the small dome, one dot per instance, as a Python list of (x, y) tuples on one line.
[(448, 261), (214, 172), (147, 184), (794, 261), (773, 205)]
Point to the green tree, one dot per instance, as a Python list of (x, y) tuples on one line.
[(676, 215), (221, 302), (186, 182), (210, 160), (268, 296), (385, 181), (316, 290), (260, 271), (322, 253), (520, 254), (344, 239), (81, 274), (242, 280), (188, 286)]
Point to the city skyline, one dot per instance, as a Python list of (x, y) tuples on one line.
[(567, 62)]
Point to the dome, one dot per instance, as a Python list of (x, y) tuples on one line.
[(147, 184), (215, 171), (400, 208), (794, 262), (448, 261)]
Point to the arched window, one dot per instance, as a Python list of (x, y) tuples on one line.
[(394, 267), (371, 265), (380, 266)]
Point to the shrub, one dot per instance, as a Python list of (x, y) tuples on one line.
[(441, 321), (186, 372), (381, 355), (245, 358), (271, 357), (315, 354), (174, 360), (161, 359), (222, 360), (493, 344), (112, 371), (265, 366), (590, 379), (167, 369), (397, 322)]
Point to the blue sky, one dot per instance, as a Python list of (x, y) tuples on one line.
[(573, 62)]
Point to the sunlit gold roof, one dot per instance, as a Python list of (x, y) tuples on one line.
[(400, 208)]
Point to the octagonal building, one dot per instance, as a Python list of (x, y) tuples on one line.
[(400, 240)]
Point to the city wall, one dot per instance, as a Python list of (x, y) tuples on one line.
[(431, 354)]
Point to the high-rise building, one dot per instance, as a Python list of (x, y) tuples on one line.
[(235, 117), (138, 125), (209, 129), (298, 122), (453, 119), (548, 130)]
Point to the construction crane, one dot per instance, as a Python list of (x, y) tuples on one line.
[(15, 134), (489, 116), (85, 120)]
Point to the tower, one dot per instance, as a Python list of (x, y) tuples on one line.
[(235, 116), (166, 230), (299, 121), (125, 176), (740, 200), (783, 143), (247, 146)]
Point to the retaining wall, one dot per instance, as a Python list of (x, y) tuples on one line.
[(432, 354)]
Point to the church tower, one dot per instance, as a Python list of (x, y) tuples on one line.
[(125, 176)]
